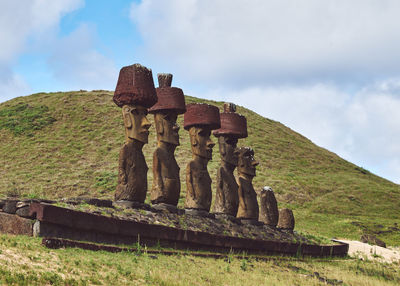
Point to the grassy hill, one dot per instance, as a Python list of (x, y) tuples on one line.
[(66, 144)]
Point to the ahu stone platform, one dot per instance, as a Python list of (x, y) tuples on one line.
[(101, 222)]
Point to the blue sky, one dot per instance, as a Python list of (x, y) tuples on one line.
[(330, 69)]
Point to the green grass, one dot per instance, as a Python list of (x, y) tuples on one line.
[(24, 261), (66, 144)]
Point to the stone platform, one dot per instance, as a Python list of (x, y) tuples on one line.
[(154, 227)]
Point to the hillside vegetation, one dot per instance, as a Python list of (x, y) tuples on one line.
[(66, 144)]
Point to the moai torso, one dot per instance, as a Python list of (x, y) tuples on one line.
[(132, 173), (269, 213), (166, 183), (226, 197), (198, 182), (248, 205)]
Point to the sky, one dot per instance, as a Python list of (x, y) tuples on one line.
[(329, 70)]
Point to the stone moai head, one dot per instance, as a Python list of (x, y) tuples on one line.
[(247, 163), (171, 103), (135, 93), (233, 127), (136, 123), (199, 120)]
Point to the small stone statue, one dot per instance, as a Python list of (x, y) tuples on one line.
[(199, 120), (269, 213), (233, 126), (166, 183), (135, 92), (248, 206), (286, 219)]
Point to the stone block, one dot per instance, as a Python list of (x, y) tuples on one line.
[(286, 219), (10, 206), (13, 224)]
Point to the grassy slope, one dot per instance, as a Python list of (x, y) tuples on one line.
[(23, 261), (77, 154)]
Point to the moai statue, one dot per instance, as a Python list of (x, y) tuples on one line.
[(166, 183), (135, 93), (233, 127), (248, 206), (199, 120), (286, 220), (269, 213)]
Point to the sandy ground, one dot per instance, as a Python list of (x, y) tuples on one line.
[(372, 252)]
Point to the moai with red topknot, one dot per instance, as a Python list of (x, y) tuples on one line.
[(166, 183), (199, 120), (135, 93), (248, 205), (233, 127)]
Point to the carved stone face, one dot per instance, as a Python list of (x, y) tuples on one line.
[(201, 142), (247, 163), (166, 126), (228, 150), (136, 123)]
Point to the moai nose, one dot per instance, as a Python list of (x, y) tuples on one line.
[(176, 127), (145, 123), (255, 163), (210, 144)]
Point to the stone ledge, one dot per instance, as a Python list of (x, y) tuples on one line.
[(14, 224), (100, 228)]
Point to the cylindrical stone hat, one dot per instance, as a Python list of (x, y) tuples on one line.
[(232, 124), (135, 86), (201, 114), (169, 98)]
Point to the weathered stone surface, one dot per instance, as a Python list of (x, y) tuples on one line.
[(2, 203), (14, 224), (372, 239), (131, 204), (166, 182), (201, 114), (286, 219), (24, 212), (169, 98), (198, 181), (269, 213), (10, 206), (132, 173), (248, 205), (251, 221), (90, 201), (167, 207), (233, 126), (135, 86), (198, 212), (226, 196), (66, 223)]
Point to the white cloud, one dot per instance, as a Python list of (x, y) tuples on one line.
[(12, 85), (362, 127), (328, 69), (26, 18), (75, 61), (241, 42), (19, 21)]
